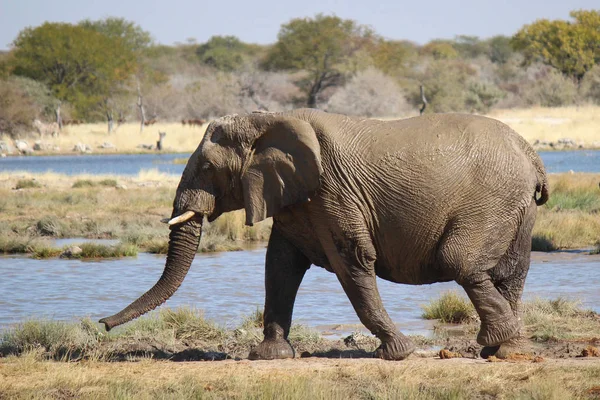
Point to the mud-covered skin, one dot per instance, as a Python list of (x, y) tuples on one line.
[(427, 199)]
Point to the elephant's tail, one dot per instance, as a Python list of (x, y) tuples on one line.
[(542, 189), (541, 186)]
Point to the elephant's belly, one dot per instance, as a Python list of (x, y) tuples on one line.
[(411, 271)]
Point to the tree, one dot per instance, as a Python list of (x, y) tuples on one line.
[(80, 65), (225, 53), (499, 49), (322, 48), (440, 49), (135, 41), (569, 46), (392, 56)]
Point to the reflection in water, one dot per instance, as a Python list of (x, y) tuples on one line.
[(228, 286)]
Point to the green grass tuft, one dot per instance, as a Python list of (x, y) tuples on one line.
[(83, 183), (450, 308), (27, 184), (542, 242), (55, 338), (93, 250)]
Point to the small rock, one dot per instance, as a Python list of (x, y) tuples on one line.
[(5, 147), (40, 146), (107, 145), (82, 148), (23, 146), (120, 186), (71, 252)]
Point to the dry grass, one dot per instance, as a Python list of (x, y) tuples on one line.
[(184, 335), (27, 378), (127, 137), (550, 124), (577, 123)]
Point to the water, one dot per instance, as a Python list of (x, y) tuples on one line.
[(116, 164), (132, 164), (228, 286)]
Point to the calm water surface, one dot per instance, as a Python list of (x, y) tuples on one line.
[(132, 164), (228, 286)]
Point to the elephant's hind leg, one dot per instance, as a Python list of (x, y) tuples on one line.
[(508, 277), (469, 254), (353, 261)]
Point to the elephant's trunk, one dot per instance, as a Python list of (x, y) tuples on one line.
[(183, 245)]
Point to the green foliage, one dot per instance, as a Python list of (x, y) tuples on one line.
[(440, 50), (80, 65), (87, 183), (392, 56), (94, 250), (131, 36), (499, 49), (470, 46), (481, 97), (570, 47), (225, 53), (322, 47), (450, 308)]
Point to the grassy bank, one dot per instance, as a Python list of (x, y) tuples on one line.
[(33, 364), (37, 207)]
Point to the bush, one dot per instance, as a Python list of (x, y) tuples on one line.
[(450, 308), (17, 111), (590, 85), (50, 226), (551, 90), (55, 338), (369, 93)]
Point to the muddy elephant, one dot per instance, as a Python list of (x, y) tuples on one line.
[(428, 199)]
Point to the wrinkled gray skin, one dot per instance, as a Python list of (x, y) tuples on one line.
[(429, 199)]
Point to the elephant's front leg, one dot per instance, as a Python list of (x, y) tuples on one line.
[(285, 268), (355, 269)]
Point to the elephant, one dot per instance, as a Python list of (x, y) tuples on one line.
[(433, 198)]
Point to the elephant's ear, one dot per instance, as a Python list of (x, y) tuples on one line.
[(283, 169)]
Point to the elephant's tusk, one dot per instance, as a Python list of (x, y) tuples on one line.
[(181, 218)]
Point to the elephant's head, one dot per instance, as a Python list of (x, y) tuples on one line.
[(259, 162)]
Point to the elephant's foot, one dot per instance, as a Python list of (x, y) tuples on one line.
[(503, 351), (493, 334), (272, 350), (397, 348)]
